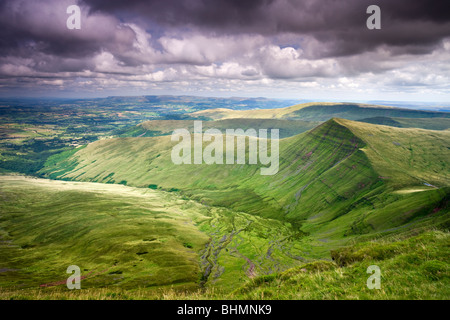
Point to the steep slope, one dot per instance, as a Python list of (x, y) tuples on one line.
[(341, 178), (406, 156), (323, 112)]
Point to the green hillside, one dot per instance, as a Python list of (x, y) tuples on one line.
[(117, 234), (424, 123), (347, 195), (320, 111), (323, 112), (411, 268), (153, 128), (135, 243), (132, 238), (343, 178)]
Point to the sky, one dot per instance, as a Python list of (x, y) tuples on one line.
[(293, 49)]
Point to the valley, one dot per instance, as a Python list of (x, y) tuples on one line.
[(371, 186), (132, 237)]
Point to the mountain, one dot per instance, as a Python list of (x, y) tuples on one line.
[(342, 178), (347, 195), (320, 111)]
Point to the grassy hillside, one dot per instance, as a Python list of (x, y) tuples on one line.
[(287, 128), (421, 261), (413, 267), (130, 238), (320, 111), (347, 195), (116, 235), (406, 156), (341, 179)]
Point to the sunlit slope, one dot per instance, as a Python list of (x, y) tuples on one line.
[(223, 113), (406, 156), (320, 111), (117, 235), (133, 238), (329, 179), (140, 243), (153, 128), (305, 163)]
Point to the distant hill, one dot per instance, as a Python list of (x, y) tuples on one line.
[(321, 112), (153, 128), (189, 102), (424, 123)]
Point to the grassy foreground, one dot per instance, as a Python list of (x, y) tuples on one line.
[(133, 243), (416, 267)]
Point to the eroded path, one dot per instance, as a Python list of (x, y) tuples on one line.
[(243, 246)]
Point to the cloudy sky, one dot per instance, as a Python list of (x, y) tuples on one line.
[(302, 49)]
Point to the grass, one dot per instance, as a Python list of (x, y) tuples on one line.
[(287, 128), (320, 111), (124, 237), (424, 123), (415, 267), (121, 235), (347, 195), (338, 180), (415, 157)]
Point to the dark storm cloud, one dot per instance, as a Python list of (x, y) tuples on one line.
[(217, 44), (217, 13), (416, 26), (31, 27)]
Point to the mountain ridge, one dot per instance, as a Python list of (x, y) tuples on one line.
[(334, 172), (320, 111)]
